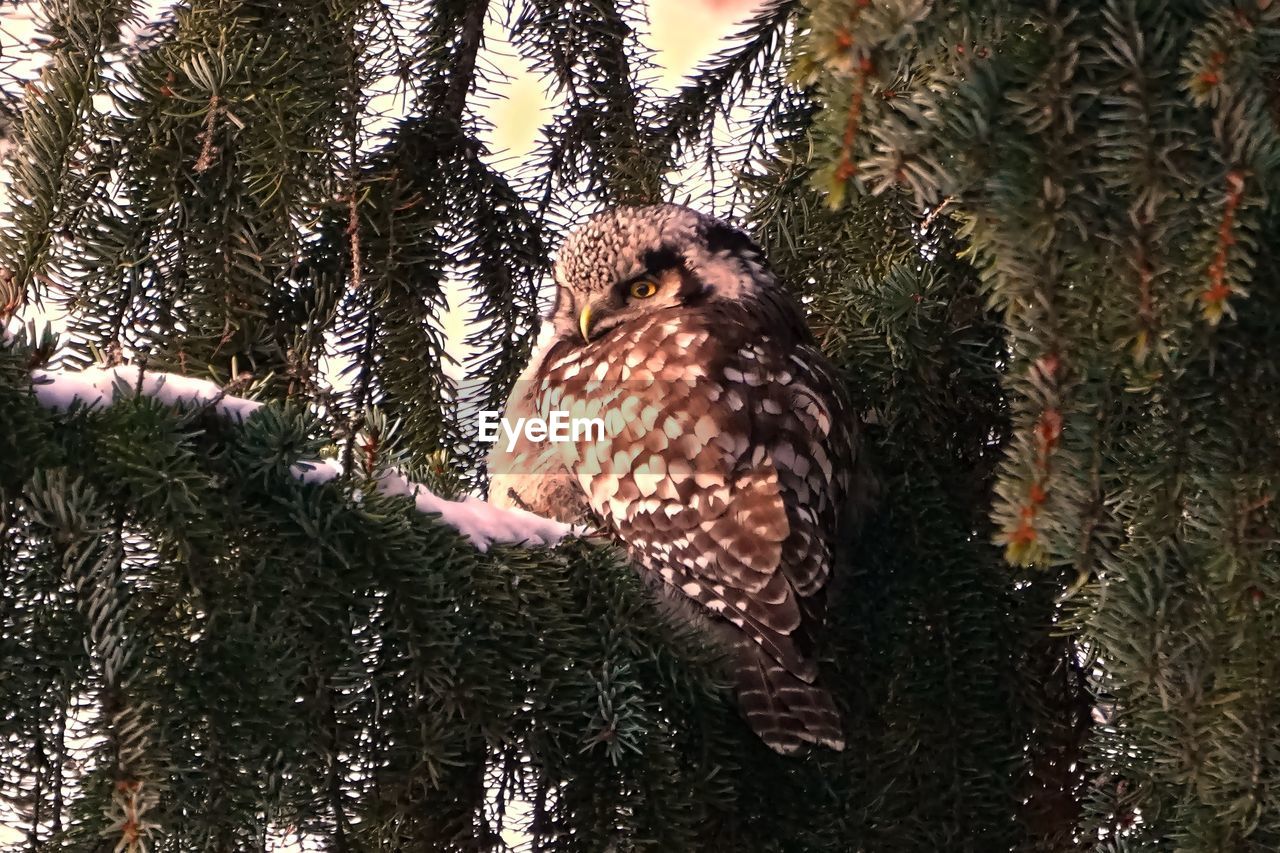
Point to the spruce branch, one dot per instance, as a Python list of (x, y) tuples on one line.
[(1214, 298), (484, 524), (727, 79), (46, 186)]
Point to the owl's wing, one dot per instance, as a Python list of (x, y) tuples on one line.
[(724, 478), (725, 458), (769, 545)]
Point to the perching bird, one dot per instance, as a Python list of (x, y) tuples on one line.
[(729, 447)]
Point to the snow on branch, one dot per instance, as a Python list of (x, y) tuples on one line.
[(97, 385), (481, 522)]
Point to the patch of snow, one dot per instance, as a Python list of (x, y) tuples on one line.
[(316, 471), (480, 521), (97, 385)]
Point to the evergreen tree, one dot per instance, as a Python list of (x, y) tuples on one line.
[(1034, 237), (1113, 167)]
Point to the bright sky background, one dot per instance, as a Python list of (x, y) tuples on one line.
[(682, 34)]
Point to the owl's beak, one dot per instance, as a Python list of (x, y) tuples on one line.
[(584, 323)]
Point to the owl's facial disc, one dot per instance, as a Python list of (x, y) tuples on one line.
[(689, 258)]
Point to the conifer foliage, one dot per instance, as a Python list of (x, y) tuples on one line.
[(1036, 237), (1114, 168)]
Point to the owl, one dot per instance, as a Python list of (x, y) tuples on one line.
[(726, 459)]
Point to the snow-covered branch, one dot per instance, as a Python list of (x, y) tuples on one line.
[(97, 385), (481, 522)]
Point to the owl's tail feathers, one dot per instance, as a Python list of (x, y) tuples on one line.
[(786, 712)]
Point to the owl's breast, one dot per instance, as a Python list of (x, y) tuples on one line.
[(663, 419)]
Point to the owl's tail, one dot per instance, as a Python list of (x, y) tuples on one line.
[(783, 710)]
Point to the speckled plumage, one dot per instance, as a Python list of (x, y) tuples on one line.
[(728, 449)]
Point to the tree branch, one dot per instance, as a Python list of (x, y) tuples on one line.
[(479, 521)]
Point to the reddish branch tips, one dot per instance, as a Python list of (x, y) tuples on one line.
[(1212, 75), (130, 823), (1213, 300), (1022, 538), (845, 167)]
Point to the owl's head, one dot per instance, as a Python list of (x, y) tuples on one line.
[(630, 261)]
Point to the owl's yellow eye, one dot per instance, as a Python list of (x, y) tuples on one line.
[(643, 289)]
